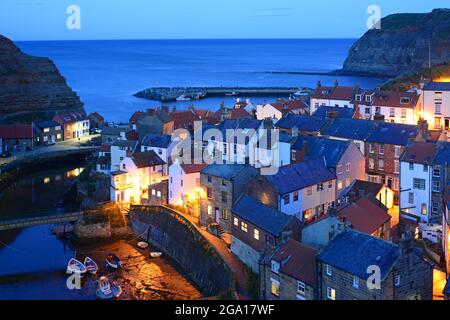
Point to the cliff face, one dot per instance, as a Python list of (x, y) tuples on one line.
[(402, 44), (31, 87)]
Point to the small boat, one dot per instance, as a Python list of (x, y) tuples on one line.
[(183, 98), (142, 244), (91, 266), (75, 266), (106, 290), (155, 254), (231, 94), (113, 261)]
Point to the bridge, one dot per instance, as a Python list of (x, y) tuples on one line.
[(29, 221)]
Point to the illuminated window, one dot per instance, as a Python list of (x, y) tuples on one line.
[(256, 234), (339, 185), (46, 129), (236, 221), (224, 214), (210, 211), (331, 293), (244, 227), (403, 113), (275, 287), (424, 209), (329, 270)]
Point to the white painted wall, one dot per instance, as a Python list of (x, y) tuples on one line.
[(183, 187), (430, 98), (267, 111)]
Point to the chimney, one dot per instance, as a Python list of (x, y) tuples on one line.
[(304, 150), (378, 117), (165, 109), (423, 135), (151, 111)]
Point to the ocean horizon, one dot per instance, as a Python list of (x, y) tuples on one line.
[(106, 73)]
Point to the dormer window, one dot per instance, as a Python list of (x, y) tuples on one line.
[(405, 100), (358, 97), (325, 92), (368, 98)]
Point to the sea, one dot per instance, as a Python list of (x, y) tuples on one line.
[(106, 74)]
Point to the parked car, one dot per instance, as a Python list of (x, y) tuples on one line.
[(96, 131)]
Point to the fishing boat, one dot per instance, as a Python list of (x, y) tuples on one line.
[(75, 266), (106, 290), (231, 94), (91, 266), (155, 254), (183, 98), (113, 261), (142, 244)]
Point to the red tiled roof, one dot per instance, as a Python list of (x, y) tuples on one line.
[(394, 99), (364, 215), (105, 148), (16, 131), (334, 93), (289, 105), (64, 118), (132, 135), (420, 152), (136, 116), (96, 116), (237, 113), (185, 118), (298, 261), (192, 168)]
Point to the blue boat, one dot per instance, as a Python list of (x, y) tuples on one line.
[(113, 261), (106, 290)]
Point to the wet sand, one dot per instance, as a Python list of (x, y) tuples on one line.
[(142, 277)]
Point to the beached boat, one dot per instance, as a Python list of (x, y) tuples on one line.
[(155, 254), (91, 266), (113, 261), (183, 98), (75, 266), (106, 290), (142, 244)]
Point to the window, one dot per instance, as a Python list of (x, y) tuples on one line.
[(397, 150), (309, 191), (425, 168), (160, 151), (411, 197), (347, 182), (419, 184), (275, 287), (339, 185), (236, 221), (392, 112), (209, 179), (436, 185), (209, 193), (224, 183), (319, 186), (224, 214), (158, 194), (293, 155), (355, 282), (423, 209), (286, 198), (438, 96), (331, 293), (367, 111), (436, 172), (381, 164), (256, 234), (437, 123), (301, 288), (339, 169), (397, 280), (403, 113), (329, 270), (396, 166), (411, 166), (46, 130), (371, 148), (381, 149), (396, 184), (358, 97), (371, 163), (210, 211), (275, 266), (377, 110), (438, 108), (181, 182), (153, 192), (244, 226), (224, 148), (224, 196), (269, 240), (330, 184), (295, 196), (347, 167)]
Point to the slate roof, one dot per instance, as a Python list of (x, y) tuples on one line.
[(192, 168), (437, 86), (353, 251), (125, 143), (442, 155), (392, 133), (343, 112), (302, 122), (362, 186), (419, 152), (298, 261), (354, 129), (146, 159), (47, 124), (227, 171), (242, 123), (96, 116), (113, 131), (330, 149), (158, 141), (298, 176), (261, 216)]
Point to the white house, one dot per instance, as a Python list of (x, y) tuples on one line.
[(184, 186), (278, 109), (336, 96), (120, 150), (161, 144), (137, 172), (436, 105)]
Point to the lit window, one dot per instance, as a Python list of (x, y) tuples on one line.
[(371, 148), (244, 227), (256, 234), (210, 211), (236, 221), (275, 266), (275, 287), (158, 194), (331, 293), (403, 113), (153, 192), (295, 196), (339, 185), (424, 209), (371, 163)]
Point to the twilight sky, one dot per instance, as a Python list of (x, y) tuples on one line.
[(190, 19)]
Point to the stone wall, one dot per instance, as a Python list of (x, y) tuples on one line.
[(178, 238), (93, 231)]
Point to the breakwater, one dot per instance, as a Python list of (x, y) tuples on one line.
[(178, 238), (167, 94)]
